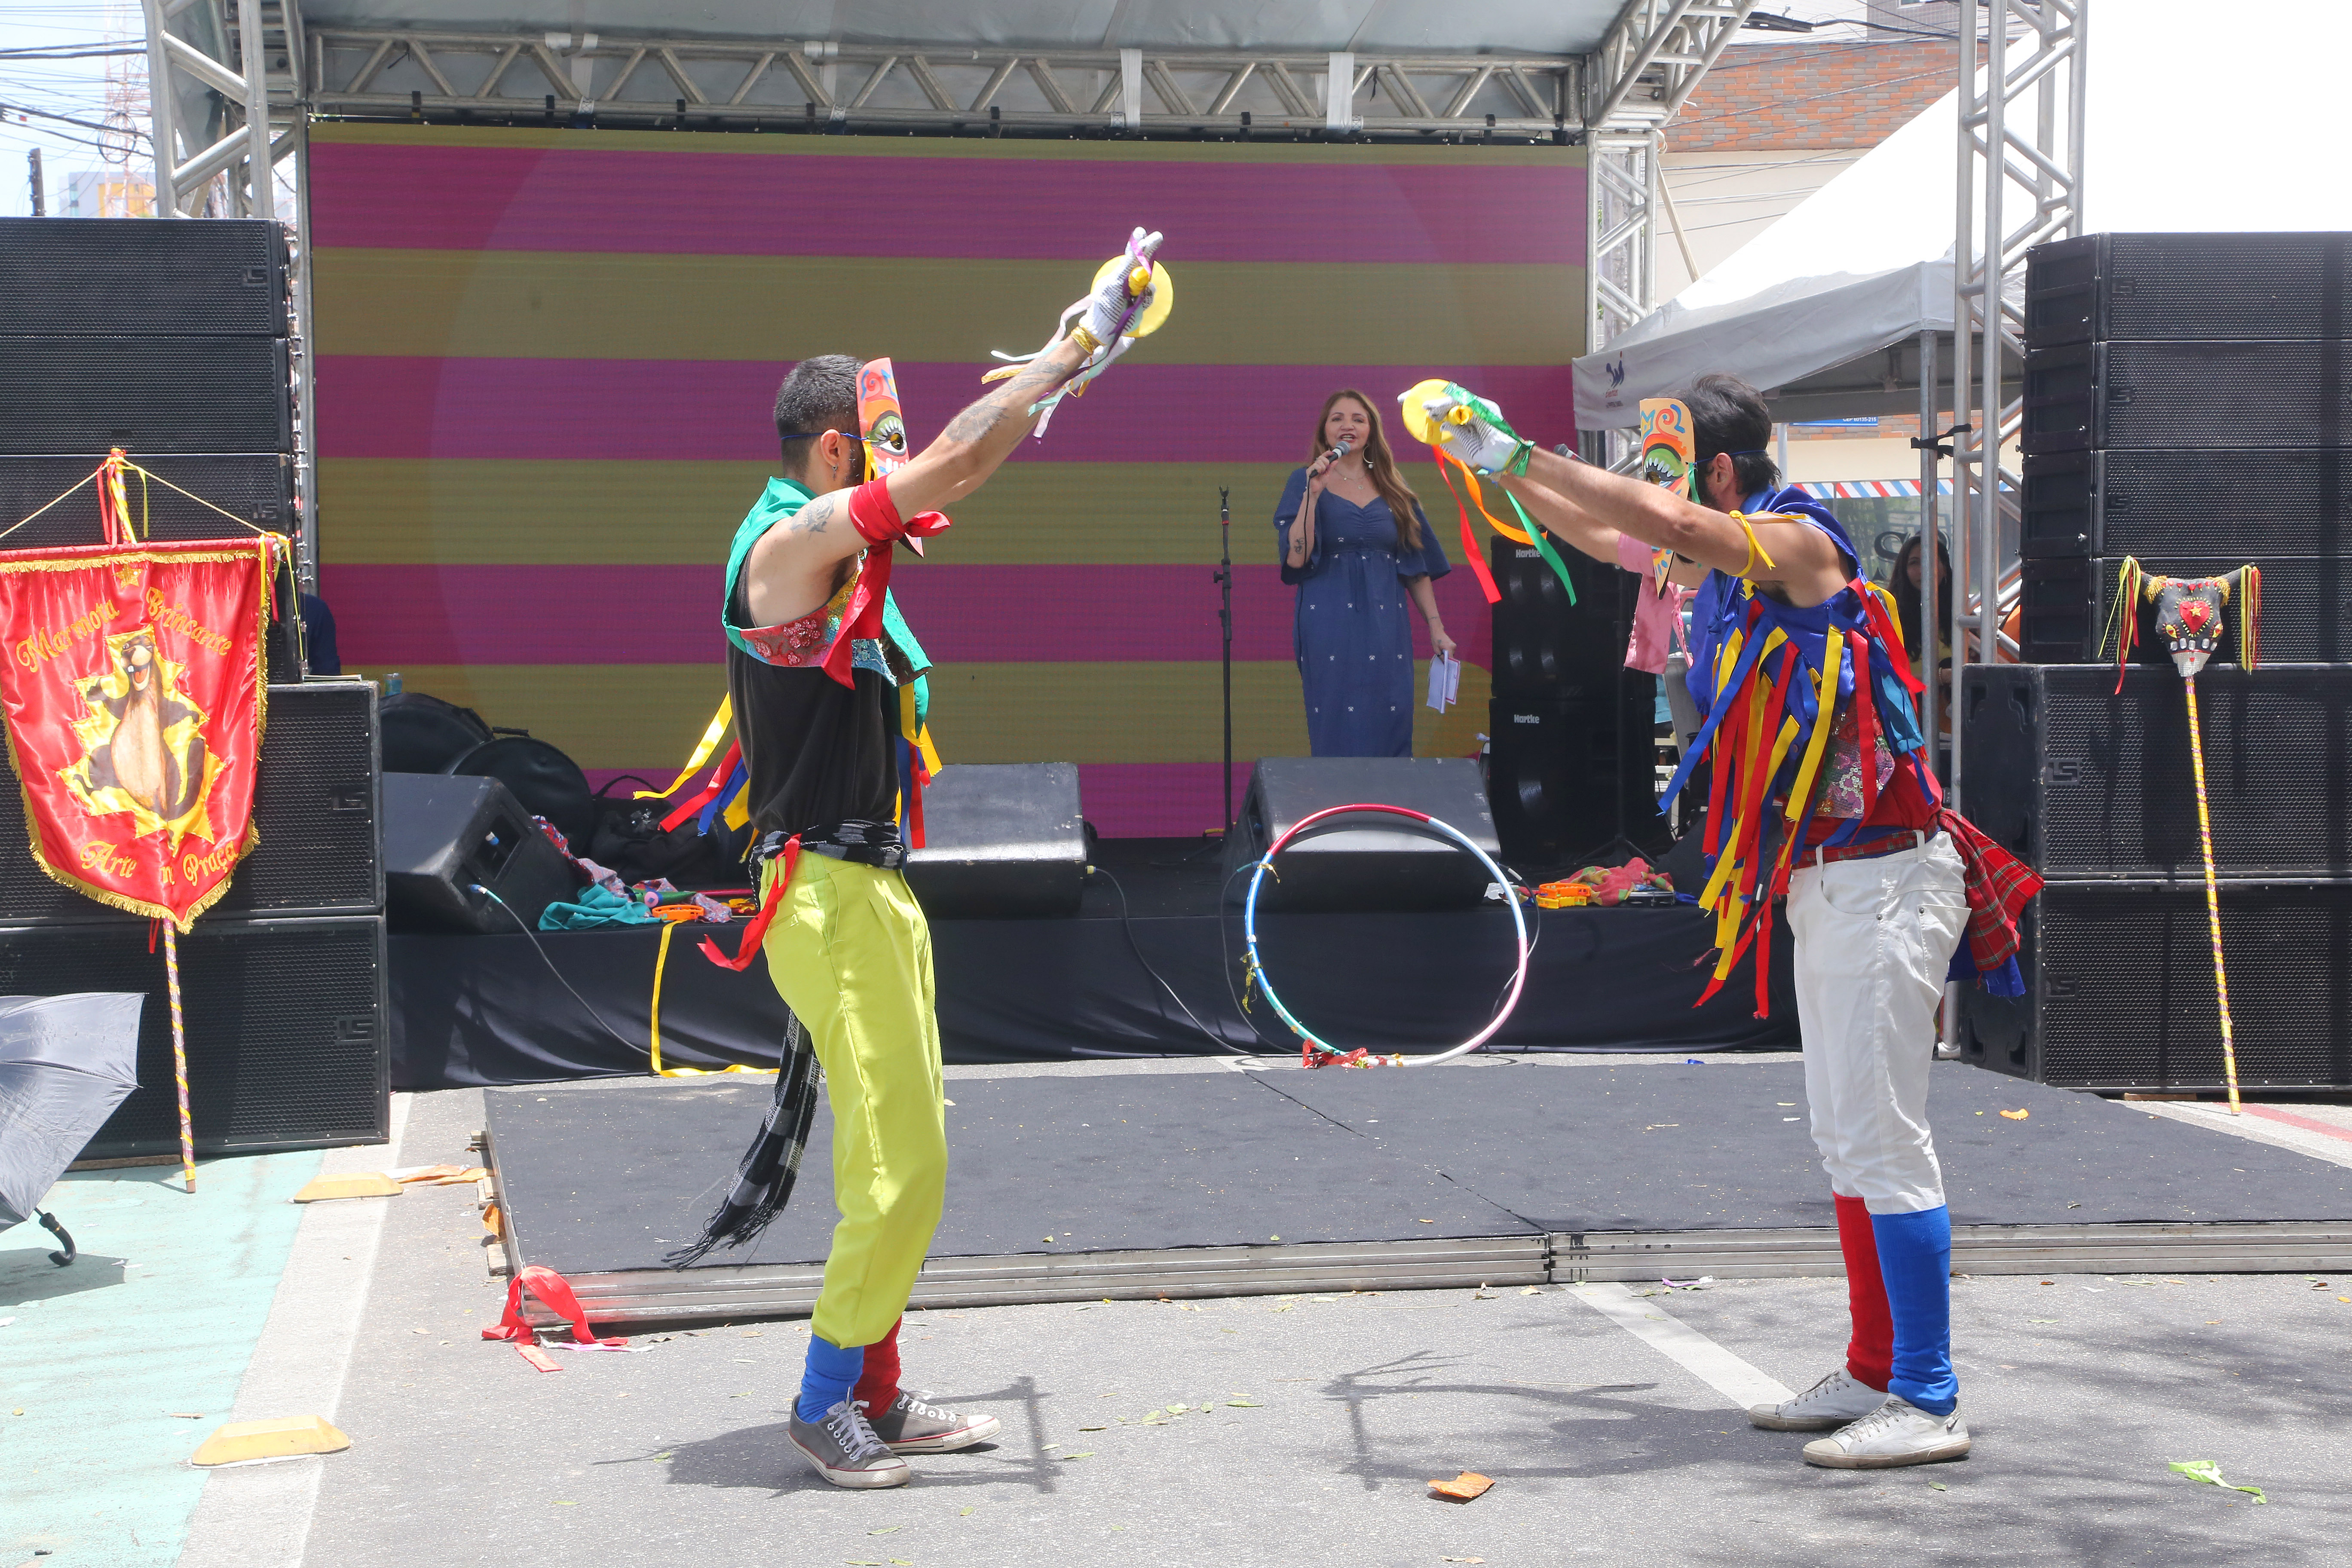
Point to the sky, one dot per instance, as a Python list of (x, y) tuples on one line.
[(76, 88)]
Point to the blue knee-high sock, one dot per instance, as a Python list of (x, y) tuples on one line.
[(1915, 1256), (831, 1373)]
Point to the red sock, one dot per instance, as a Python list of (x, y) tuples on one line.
[(878, 1385), (1871, 1352)]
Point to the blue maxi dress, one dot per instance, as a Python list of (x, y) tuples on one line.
[(1353, 630)]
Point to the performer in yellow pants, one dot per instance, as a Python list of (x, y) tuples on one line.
[(850, 955), (821, 678)]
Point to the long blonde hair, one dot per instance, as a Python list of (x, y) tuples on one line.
[(1382, 465)]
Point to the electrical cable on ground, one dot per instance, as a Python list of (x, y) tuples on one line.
[(559, 980)]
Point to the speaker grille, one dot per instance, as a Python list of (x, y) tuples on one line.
[(2306, 605), (258, 486), (289, 1043), (2085, 783), (2120, 994), (314, 804), (2268, 395), (219, 277), (145, 395), (2208, 502), (1546, 647), (2185, 285)]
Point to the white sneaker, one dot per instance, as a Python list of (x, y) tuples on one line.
[(1898, 1432), (1824, 1407)]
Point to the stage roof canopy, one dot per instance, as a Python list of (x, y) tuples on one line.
[(1521, 26)]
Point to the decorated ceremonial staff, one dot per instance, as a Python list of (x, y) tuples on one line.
[(1820, 790), (2191, 617), (821, 678)]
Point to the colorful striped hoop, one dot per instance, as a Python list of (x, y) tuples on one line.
[(1310, 1047)]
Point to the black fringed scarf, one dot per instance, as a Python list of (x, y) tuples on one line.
[(764, 1182)]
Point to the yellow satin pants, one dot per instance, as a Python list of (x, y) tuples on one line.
[(850, 954)]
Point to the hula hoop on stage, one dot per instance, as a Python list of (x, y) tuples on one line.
[(1331, 1054)]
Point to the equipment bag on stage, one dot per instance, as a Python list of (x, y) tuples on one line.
[(134, 692)]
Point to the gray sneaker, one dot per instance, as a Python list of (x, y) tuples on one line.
[(1898, 1432), (914, 1425), (844, 1451), (1824, 1407)]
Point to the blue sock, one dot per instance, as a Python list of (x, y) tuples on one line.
[(831, 1373), (1914, 1255)]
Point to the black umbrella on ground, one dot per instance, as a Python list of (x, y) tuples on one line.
[(66, 1062)]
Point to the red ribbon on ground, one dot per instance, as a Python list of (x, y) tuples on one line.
[(554, 1290), (757, 931)]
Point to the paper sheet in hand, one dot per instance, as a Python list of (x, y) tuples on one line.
[(1444, 681)]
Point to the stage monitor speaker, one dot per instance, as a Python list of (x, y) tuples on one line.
[(1545, 646), (2228, 504), (163, 277), (314, 808), (1569, 778), (2066, 606), (2259, 396), (147, 395), (444, 834), (1366, 863), (2120, 989), (1001, 839), (290, 1044), (2083, 783), (2151, 287), (258, 486)]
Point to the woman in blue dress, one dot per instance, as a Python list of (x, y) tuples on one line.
[(1356, 545)]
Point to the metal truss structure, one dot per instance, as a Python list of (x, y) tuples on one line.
[(2020, 184), (583, 78), (237, 81), (225, 97), (1644, 71)]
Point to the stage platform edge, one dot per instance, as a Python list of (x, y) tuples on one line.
[(761, 1291)]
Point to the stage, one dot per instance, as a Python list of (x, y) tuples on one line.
[(471, 1011), (1196, 1179)]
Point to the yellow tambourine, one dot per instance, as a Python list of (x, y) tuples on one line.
[(1422, 428), (1164, 299)]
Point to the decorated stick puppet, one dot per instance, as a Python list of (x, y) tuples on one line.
[(2190, 617), (1154, 294), (1415, 400)]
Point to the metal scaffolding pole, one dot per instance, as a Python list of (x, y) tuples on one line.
[(2028, 46)]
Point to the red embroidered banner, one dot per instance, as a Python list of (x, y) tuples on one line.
[(131, 676)]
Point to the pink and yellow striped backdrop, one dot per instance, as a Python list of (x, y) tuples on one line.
[(547, 359)]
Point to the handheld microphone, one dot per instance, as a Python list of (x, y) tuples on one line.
[(1331, 456)]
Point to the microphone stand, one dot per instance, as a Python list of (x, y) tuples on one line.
[(1224, 579)]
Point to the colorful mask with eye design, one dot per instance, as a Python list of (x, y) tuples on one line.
[(2191, 614), (880, 419), (1668, 445)]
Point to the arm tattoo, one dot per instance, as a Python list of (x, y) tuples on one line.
[(811, 517), (975, 422)]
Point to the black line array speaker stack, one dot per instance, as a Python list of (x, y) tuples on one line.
[(2186, 401), (1571, 757), (290, 1044), (169, 338)]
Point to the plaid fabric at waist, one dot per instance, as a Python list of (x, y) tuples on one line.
[(1909, 838)]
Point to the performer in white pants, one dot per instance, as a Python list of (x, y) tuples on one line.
[(1821, 789)]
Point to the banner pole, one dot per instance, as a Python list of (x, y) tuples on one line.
[(179, 1057)]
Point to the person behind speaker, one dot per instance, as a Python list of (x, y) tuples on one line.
[(1355, 544)]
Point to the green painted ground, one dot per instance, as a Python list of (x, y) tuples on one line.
[(159, 1315)]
